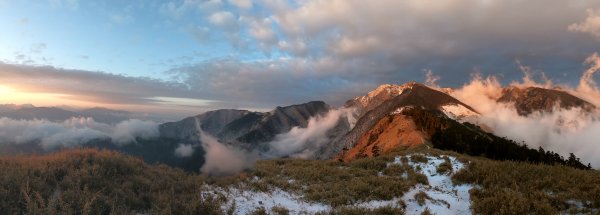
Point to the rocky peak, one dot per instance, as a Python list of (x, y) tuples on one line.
[(531, 99), (377, 96)]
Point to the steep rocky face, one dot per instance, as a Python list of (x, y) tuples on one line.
[(384, 92), (211, 122), (264, 127), (393, 131), (242, 127), (532, 99), (415, 95)]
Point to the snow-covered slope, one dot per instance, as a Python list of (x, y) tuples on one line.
[(246, 201), (458, 112), (441, 196)]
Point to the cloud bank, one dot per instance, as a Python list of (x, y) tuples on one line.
[(562, 130), (221, 159), (274, 52), (299, 142), (73, 132), (305, 142), (335, 50)]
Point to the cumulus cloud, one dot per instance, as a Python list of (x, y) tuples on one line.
[(563, 131), (335, 50), (225, 20), (271, 82), (73, 132), (127, 131), (244, 4), (590, 25), (304, 142), (184, 150), (357, 45)]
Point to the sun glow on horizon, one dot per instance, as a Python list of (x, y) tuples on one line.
[(5, 91), (12, 95)]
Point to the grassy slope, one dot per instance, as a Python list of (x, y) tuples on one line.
[(99, 182), (508, 187), (89, 181)]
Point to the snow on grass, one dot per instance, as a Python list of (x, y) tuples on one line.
[(443, 197), (458, 112), (247, 201)]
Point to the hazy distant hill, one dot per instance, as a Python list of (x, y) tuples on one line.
[(55, 114)]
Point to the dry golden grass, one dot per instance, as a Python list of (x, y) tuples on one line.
[(89, 181), (387, 210), (522, 188), (337, 183), (445, 167)]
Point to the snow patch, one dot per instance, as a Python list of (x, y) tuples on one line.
[(458, 112), (248, 201), (398, 110), (444, 197), (385, 88)]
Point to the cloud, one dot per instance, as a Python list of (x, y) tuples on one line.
[(127, 131), (223, 159), (274, 82), (563, 131), (291, 52), (588, 88), (333, 46), (431, 79), (224, 19), (244, 4), (90, 86), (590, 25), (261, 30), (73, 132), (305, 142), (184, 150)]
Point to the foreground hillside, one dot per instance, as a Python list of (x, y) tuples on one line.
[(411, 181), (90, 181)]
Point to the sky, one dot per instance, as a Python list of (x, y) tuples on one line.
[(185, 57)]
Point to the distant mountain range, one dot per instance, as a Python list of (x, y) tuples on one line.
[(56, 114), (387, 118)]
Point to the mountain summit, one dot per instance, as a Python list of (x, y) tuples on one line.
[(383, 127), (532, 99)]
